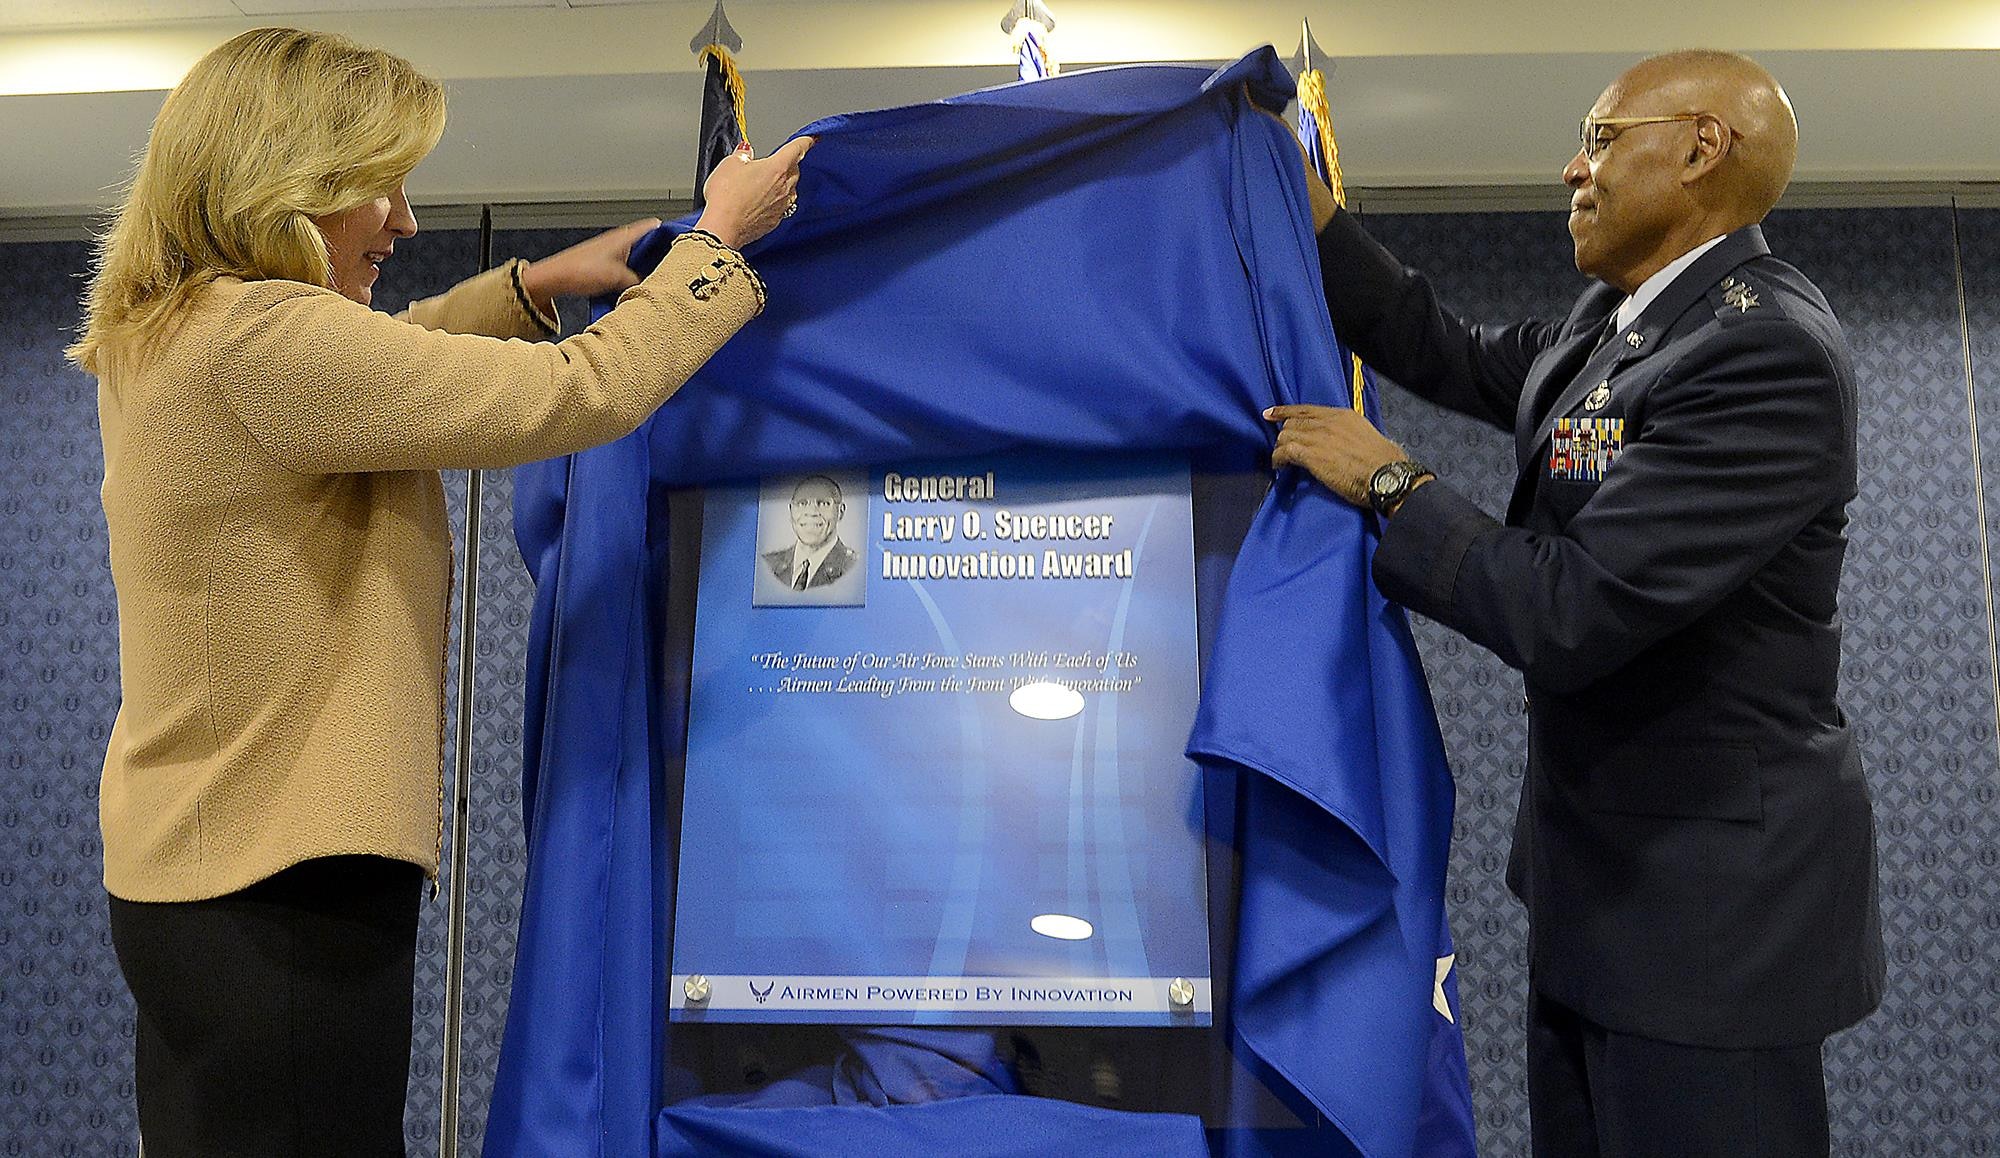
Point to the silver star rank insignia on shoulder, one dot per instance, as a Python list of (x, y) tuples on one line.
[(1740, 295)]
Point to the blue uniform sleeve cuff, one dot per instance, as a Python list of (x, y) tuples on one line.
[(1422, 547)]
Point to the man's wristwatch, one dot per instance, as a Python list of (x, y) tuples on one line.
[(1392, 482)]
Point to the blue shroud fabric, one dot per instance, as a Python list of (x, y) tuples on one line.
[(1107, 261)]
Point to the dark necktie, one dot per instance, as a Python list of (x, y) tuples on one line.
[(799, 577), (1610, 331)]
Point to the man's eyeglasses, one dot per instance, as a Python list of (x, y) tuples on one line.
[(1592, 130), (814, 504)]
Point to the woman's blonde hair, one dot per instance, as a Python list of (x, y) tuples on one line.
[(266, 132)]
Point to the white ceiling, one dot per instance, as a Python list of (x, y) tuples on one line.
[(21, 14), (556, 100)]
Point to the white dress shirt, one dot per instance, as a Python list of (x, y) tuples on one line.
[(1630, 309)]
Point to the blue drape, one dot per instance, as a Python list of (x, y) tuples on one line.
[(1107, 261)]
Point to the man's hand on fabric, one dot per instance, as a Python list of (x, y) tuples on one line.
[(1335, 445), (588, 268)]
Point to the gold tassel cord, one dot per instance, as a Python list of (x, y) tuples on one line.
[(731, 79), (1312, 98)]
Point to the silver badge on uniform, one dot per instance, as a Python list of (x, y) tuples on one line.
[(1596, 399), (1741, 296)]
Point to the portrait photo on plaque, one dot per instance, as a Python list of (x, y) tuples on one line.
[(810, 551)]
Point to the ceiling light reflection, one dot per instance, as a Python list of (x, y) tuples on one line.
[(1043, 700), (1062, 927)]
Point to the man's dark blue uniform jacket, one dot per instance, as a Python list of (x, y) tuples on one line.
[(1694, 842)]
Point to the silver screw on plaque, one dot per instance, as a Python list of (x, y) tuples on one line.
[(1180, 994), (696, 988)]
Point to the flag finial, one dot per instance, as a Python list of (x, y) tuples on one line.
[(1033, 10), (716, 31), (1309, 50)]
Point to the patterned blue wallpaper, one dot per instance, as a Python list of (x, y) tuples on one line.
[(1916, 678), (65, 1017), (1917, 1079)]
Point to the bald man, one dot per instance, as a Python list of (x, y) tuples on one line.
[(1694, 843)]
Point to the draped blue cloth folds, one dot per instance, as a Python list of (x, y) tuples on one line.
[(1102, 262)]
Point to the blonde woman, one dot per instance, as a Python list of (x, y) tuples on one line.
[(271, 792)]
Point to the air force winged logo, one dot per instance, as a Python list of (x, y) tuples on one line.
[(1739, 294), (764, 994)]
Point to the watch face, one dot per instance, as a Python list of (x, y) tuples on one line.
[(1387, 480)]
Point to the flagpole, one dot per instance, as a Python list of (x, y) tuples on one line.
[(461, 791)]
